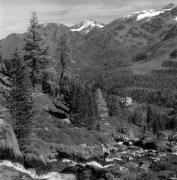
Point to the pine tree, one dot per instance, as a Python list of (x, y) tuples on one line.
[(46, 87), (20, 100), (35, 50), (64, 56), (0, 58)]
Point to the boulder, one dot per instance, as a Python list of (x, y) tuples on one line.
[(56, 112), (33, 161), (173, 137), (9, 148), (145, 165), (163, 135), (80, 152), (61, 106), (149, 141), (66, 121), (120, 137)]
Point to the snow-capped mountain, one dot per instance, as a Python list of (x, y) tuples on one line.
[(86, 26), (151, 32), (149, 14)]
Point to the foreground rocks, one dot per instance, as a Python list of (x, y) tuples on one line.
[(132, 163), (9, 148), (56, 146)]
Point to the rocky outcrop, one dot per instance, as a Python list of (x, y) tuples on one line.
[(33, 161), (80, 152), (58, 109), (164, 135), (61, 105), (9, 148), (56, 112)]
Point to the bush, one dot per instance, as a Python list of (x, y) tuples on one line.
[(140, 57), (173, 54)]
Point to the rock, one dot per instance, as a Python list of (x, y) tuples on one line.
[(124, 170), (61, 106), (80, 152), (173, 137), (128, 101), (163, 145), (109, 176), (163, 135), (9, 148), (119, 137), (132, 165), (46, 128), (145, 165), (56, 112), (115, 171), (33, 161), (167, 175), (166, 163), (66, 121), (105, 150), (149, 141), (85, 172), (174, 148), (8, 173), (130, 133)]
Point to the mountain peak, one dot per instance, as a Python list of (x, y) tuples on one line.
[(150, 13), (88, 20), (87, 25)]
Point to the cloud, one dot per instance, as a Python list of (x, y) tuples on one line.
[(15, 14)]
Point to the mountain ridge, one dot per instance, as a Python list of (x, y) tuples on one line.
[(115, 44)]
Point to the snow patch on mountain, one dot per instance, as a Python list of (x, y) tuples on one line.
[(149, 14), (86, 26)]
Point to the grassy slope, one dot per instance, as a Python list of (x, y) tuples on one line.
[(50, 135)]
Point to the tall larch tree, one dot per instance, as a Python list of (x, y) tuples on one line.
[(63, 56), (20, 99), (36, 51)]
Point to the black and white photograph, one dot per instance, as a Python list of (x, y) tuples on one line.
[(88, 89)]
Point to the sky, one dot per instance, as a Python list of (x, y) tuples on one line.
[(15, 14)]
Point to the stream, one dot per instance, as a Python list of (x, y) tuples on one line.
[(6, 166), (16, 171)]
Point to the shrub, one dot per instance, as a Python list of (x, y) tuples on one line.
[(140, 57), (173, 54)]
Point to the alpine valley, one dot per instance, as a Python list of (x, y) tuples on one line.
[(106, 111)]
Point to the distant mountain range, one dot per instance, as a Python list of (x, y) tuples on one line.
[(143, 41)]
